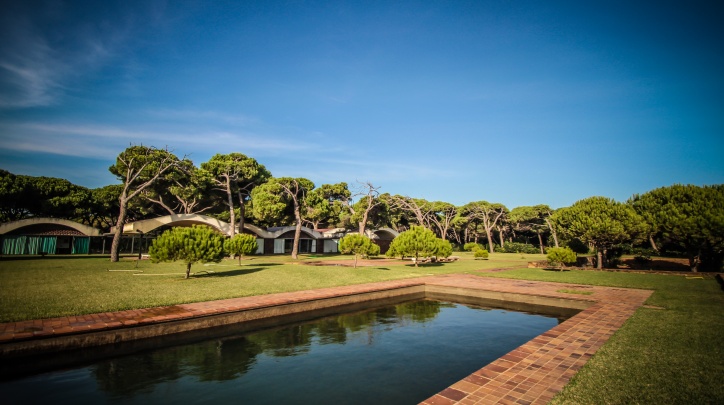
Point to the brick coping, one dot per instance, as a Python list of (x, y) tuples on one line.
[(531, 374)]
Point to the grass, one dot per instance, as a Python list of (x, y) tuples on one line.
[(673, 355), (32, 288), (670, 352)]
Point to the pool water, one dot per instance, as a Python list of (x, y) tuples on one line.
[(397, 354)]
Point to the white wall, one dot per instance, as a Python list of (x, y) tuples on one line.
[(330, 245)]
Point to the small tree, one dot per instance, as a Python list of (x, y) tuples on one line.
[(190, 245), (480, 253), (472, 246), (444, 248), (358, 245), (559, 256), (600, 222), (418, 242), (241, 244)]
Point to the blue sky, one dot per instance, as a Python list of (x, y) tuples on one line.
[(518, 102)]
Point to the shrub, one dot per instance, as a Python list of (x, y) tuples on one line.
[(374, 250), (190, 245), (561, 255), (517, 247), (471, 246), (443, 249), (419, 242), (241, 244), (358, 245), (480, 253)]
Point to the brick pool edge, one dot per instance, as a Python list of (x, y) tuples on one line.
[(532, 373)]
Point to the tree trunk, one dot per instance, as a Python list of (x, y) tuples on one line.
[(230, 202), (242, 212), (502, 238), (355, 260), (363, 223), (599, 259), (119, 229), (540, 243), (297, 232), (694, 260), (553, 232), (162, 204), (653, 244), (490, 240), (188, 270)]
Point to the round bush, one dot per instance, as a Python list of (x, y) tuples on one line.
[(480, 253), (561, 255), (471, 246), (517, 247)]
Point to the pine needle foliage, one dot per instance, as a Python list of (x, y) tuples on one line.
[(357, 245), (419, 242), (240, 245), (195, 244), (601, 222), (480, 253), (559, 256)]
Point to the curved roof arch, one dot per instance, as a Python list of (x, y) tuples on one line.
[(148, 225), (262, 233), (15, 225), (277, 232), (382, 232)]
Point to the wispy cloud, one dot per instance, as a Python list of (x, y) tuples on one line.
[(45, 50), (107, 141), (30, 71)]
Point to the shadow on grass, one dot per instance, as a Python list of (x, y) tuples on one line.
[(230, 273), (264, 264), (423, 265)]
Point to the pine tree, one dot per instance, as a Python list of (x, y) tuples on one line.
[(358, 245), (241, 244), (600, 222), (190, 245), (560, 255), (688, 216), (419, 242)]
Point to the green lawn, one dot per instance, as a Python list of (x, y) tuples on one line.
[(670, 354), (32, 288)]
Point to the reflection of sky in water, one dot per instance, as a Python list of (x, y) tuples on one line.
[(397, 354)]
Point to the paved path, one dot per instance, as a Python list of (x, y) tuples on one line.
[(531, 374)]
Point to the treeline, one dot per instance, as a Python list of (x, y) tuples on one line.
[(683, 220)]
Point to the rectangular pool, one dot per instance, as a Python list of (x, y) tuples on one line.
[(396, 352)]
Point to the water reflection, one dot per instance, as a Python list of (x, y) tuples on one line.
[(407, 352), (214, 360), (229, 358)]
